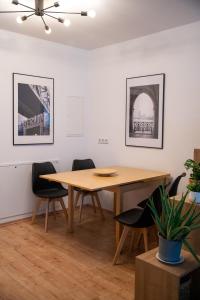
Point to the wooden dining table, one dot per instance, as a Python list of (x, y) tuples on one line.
[(124, 180)]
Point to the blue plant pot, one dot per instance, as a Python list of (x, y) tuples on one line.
[(169, 251), (195, 196)]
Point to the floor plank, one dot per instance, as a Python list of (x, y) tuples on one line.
[(62, 266)]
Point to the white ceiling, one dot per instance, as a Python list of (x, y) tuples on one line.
[(116, 20)]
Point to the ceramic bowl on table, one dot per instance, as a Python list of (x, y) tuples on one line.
[(105, 172)]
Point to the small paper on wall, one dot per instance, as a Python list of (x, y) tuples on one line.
[(74, 116)]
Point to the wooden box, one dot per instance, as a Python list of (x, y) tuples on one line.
[(158, 281)]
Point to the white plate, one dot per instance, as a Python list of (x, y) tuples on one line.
[(181, 260), (105, 172)]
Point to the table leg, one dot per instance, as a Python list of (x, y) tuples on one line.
[(70, 208), (114, 205), (117, 199)]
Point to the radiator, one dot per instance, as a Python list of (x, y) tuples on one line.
[(16, 197)]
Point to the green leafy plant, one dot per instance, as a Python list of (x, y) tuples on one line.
[(194, 187), (174, 223), (194, 166)]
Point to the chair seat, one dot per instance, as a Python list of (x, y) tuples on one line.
[(132, 218), (129, 217), (52, 193)]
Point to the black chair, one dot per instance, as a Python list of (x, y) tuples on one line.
[(84, 164), (46, 191), (138, 220), (172, 189)]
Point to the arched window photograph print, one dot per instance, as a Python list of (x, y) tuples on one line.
[(33, 109), (145, 111)]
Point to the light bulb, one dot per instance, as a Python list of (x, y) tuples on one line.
[(92, 13), (56, 4), (47, 29), (19, 20), (67, 22), (15, 2)]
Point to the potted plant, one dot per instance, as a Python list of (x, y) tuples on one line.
[(174, 226), (194, 166), (194, 188)]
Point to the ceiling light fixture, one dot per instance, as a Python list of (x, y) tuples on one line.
[(42, 12)]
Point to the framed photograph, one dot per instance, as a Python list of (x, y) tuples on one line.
[(145, 111), (33, 110)]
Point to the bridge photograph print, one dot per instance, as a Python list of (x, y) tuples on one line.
[(33, 109), (145, 111)]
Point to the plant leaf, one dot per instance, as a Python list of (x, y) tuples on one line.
[(190, 248)]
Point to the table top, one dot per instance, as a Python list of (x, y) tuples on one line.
[(87, 180)]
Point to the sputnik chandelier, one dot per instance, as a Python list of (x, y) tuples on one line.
[(42, 12)]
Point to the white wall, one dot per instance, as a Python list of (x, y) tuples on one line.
[(68, 67), (102, 83), (174, 52)]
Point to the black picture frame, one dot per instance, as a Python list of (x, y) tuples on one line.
[(33, 109), (144, 119)]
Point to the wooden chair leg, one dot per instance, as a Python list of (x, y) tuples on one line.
[(93, 203), (138, 238), (62, 203), (76, 199), (131, 242), (46, 216), (145, 236), (121, 243), (99, 205), (81, 207), (155, 232), (54, 208), (37, 206)]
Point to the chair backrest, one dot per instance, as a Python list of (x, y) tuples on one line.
[(38, 183), (147, 215), (82, 164), (174, 187)]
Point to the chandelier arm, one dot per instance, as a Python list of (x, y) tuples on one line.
[(48, 7), (43, 21), (33, 9), (50, 16), (63, 12), (30, 15), (15, 11)]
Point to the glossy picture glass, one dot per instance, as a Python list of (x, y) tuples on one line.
[(144, 111), (33, 102)]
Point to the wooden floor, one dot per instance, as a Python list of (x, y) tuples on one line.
[(35, 265)]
